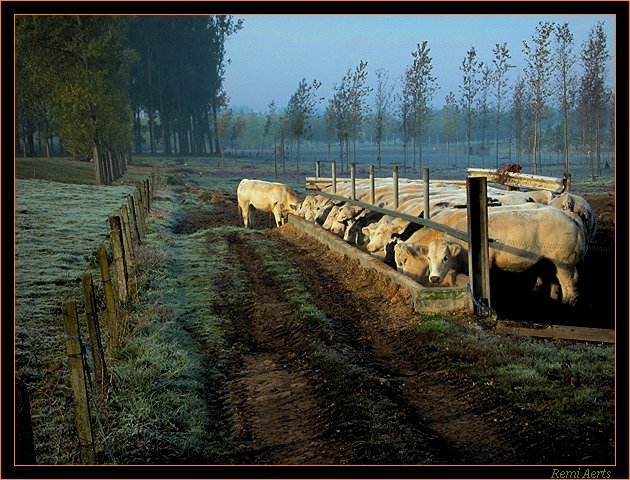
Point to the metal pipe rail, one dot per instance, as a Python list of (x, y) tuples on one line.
[(453, 232)]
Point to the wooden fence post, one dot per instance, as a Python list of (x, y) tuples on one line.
[(115, 236), (317, 169), (24, 445), (478, 258), (130, 262), (110, 301), (142, 209), (147, 189), (77, 378), (395, 182), (353, 180), (427, 205), (133, 225), (372, 191), (567, 182), (94, 332), (137, 200), (333, 166)]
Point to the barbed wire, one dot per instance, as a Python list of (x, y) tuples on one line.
[(86, 353)]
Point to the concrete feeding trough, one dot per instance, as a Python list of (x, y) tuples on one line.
[(425, 299)]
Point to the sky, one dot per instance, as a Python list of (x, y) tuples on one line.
[(272, 53)]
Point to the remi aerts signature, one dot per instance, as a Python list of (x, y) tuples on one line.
[(580, 473)]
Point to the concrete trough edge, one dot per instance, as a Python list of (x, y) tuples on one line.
[(428, 300)]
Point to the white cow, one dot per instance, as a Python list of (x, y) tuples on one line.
[(521, 238), (579, 210), (276, 198)]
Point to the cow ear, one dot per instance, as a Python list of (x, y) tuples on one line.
[(454, 249), (423, 250)]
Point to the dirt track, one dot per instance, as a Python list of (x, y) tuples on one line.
[(418, 410)]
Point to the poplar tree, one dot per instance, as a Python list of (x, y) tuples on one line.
[(469, 88), (358, 102), (383, 97), (347, 108), (451, 124), (420, 88), (564, 60), (501, 68), (518, 115), (538, 73), (300, 108), (593, 94), (484, 109)]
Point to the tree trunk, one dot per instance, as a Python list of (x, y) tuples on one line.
[(97, 166), (215, 122)]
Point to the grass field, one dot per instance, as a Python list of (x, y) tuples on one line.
[(166, 403)]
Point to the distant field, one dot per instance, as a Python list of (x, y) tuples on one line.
[(55, 169)]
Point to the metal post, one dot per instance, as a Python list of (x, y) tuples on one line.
[(353, 180), (478, 258), (395, 180), (427, 206), (334, 176), (372, 193)]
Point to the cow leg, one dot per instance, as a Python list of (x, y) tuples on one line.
[(250, 217), (567, 277), (244, 211), (277, 213)]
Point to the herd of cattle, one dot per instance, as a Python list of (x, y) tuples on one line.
[(525, 228)]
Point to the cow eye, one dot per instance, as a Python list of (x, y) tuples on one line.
[(445, 259)]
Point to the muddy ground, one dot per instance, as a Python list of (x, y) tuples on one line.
[(285, 406)]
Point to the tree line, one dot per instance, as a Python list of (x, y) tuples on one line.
[(101, 84), (91, 81), (548, 102)]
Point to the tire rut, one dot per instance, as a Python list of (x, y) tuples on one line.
[(276, 415), (378, 320)]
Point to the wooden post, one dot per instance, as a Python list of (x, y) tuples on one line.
[(142, 205), (334, 176), (77, 378), (94, 332), (137, 200), (24, 445), (395, 181), (110, 302), (427, 205), (133, 225), (115, 236), (372, 191), (353, 180), (317, 169), (130, 262), (567, 182), (478, 259), (147, 189)]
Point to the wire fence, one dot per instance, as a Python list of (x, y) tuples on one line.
[(85, 358)]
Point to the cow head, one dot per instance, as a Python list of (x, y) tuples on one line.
[(382, 234), (410, 261), (441, 256)]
